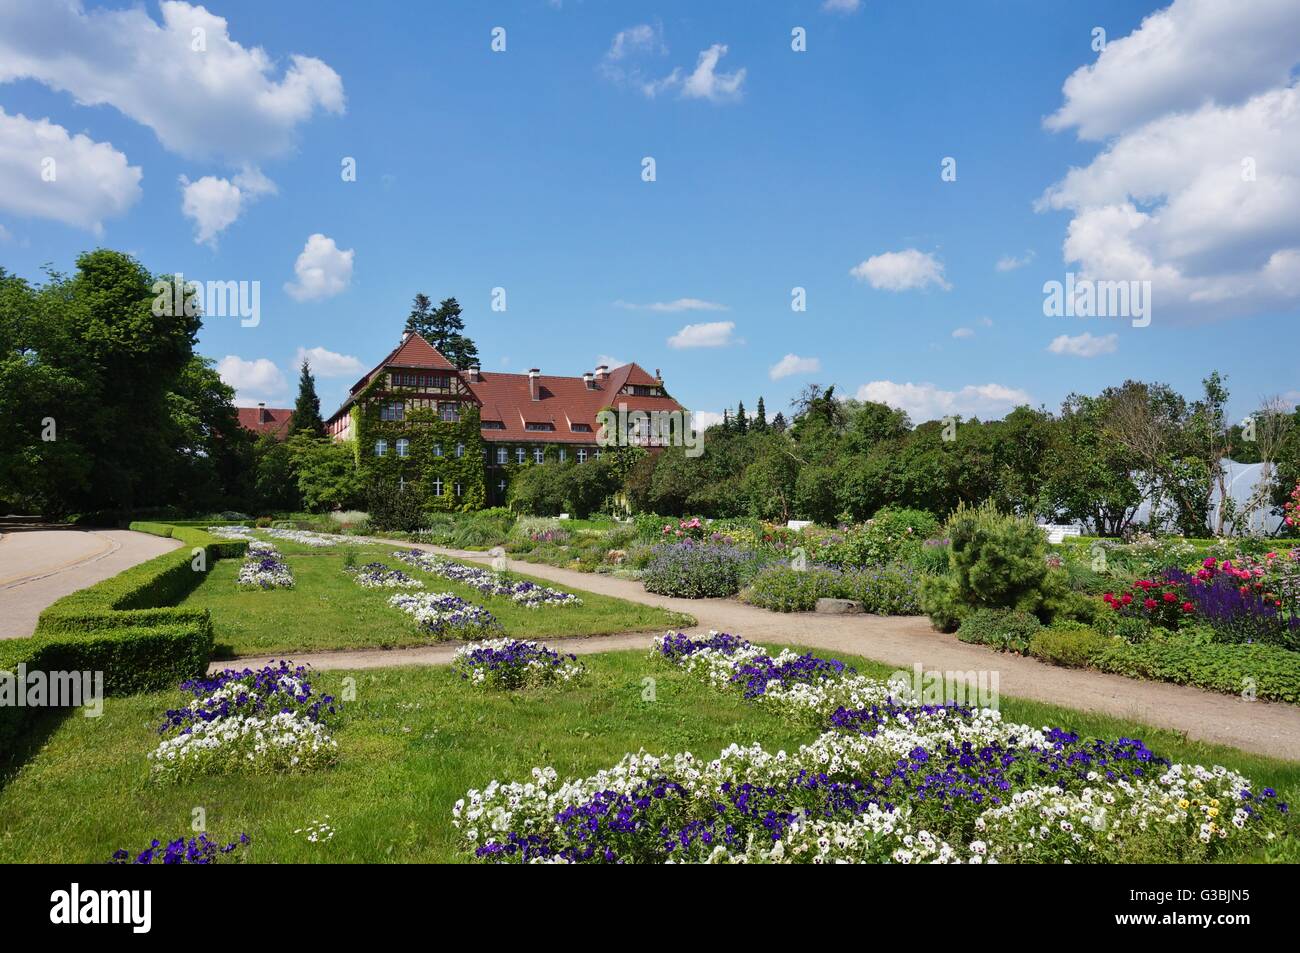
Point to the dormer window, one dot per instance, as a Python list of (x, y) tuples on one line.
[(580, 428), (544, 427)]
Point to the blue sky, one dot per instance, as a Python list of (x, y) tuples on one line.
[(775, 169)]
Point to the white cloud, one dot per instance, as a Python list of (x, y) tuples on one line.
[(901, 271), (960, 333), (322, 269), (325, 363), (1191, 53), (841, 6), (1012, 262), (5, 234), (254, 380), (622, 64), (610, 362), (707, 83), (709, 334), (214, 203), (926, 402), (1084, 345), (91, 180), (1198, 190), (704, 419), (225, 100), (794, 364), (680, 304)]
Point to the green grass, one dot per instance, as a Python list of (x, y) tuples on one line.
[(414, 741), (326, 609)]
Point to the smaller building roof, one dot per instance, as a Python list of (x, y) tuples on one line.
[(264, 420)]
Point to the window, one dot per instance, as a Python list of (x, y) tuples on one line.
[(501, 454), (597, 453), (458, 489), (564, 454), (537, 455), (582, 455), (403, 447), (539, 426), (394, 410), (449, 412), (492, 425), (580, 428), (501, 488), (519, 454), (460, 450), (381, 447), (437, 449), (437, 487)]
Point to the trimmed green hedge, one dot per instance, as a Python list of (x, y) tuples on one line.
[(129, 626), (132, 658)]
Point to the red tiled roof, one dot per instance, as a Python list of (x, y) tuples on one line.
[(272, 420), (563, 401)]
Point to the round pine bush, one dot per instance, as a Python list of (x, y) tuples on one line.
[(693, 570), (1007, 630)]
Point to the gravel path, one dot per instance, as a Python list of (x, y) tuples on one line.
[(39, 566), (1261, 727)]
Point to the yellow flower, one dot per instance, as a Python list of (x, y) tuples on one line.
[(1184, 803)]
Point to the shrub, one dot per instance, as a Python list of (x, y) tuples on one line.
[(1008, 630), (1271, 672), (395, 507), (132, 658), (893, 589), (889, 536), (1069, 645), (781, 588), (995, 561), (696, 570)]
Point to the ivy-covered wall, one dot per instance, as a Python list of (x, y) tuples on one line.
[(426, 432)]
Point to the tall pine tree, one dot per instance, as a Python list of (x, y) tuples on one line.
[(742, 422), (306, 410), (760, 416), (443, 329)]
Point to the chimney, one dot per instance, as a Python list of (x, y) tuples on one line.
[(405, 335), (602, 372), (475, 373), (589, 380), (535, 383), (262, 415), (659, 378)]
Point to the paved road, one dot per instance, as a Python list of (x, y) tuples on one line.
[(1262, 727), (38, 566)]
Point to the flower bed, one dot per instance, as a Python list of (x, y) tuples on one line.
[(512, 663), (1241, 600), (264, 568), (530, 595), (231, 532), (378, 576), (264, 720), (305, 538), (446, 616), (196, 850), (889, 780)]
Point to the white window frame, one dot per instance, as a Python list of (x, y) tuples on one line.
[(403, 447), (437, 486), (381, 448), (582, 454)]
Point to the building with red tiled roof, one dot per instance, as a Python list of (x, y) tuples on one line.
[(463, 432), (266, 420)]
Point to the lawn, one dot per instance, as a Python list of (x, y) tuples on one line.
[(415, 740), (326, 609)]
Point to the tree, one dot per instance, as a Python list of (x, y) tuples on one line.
[(778, 422), (760, 416), (742, 422), (443, 329), (306, 409), (328, 478)]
